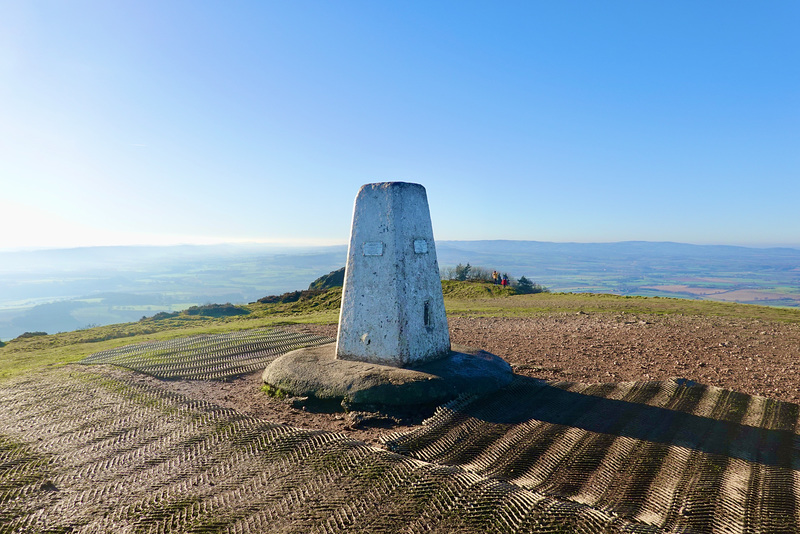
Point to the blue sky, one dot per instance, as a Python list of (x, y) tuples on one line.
[(150, 122)]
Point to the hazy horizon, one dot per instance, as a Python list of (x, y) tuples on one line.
[(309, 244)]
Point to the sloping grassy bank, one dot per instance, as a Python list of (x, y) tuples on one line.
[(27, 353), (461, 299)]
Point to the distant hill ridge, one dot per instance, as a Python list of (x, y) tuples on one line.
[(66, 289)]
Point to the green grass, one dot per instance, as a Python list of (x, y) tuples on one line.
[(461, 299), (548, 303), (461, 291), (23, 355), (272, 391)]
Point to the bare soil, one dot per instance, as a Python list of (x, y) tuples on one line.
[(748, 356), (103, 449)]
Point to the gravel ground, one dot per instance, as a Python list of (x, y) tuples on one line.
[(104, 449), (748, 356)]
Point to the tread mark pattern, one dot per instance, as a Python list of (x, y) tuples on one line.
[(82, 451), (672, 456), (207, 357)]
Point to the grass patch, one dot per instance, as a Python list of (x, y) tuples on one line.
[(548, 303), (28, 354), (453, 289), (272, 391), (298, 303)]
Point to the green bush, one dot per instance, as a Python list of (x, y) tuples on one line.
[(332, 279), (31, 334), (161, 315), (292, 296), (525, 287), (463, 273), (216, 310)]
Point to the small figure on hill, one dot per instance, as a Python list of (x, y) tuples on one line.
[(494, 277), (504, 281)]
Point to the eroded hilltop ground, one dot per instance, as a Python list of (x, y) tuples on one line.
[(611, 441)]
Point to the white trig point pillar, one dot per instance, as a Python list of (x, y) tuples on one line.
[(392, 306), (393, 347)]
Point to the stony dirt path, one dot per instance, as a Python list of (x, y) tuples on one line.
[(668, 454), (101, 449), (95, 449), (744, 355)]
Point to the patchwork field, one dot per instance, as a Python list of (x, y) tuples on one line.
[(749, 296)]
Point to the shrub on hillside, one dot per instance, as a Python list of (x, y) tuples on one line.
[(161, 315), (466, 272), (462, 272), (216, 310), (525, 286), (332, 279), (292, 296), (480, 273), (471, 273), (30, 334)]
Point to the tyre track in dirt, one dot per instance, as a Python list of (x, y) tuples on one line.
[(681, 466), (99, 449), (161, 462)]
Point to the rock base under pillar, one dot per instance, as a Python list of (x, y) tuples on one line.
[(315, 372)]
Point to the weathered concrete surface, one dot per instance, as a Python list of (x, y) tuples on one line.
[(316, 372), (392, 306)]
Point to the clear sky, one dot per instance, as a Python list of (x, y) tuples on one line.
[(155, 122)]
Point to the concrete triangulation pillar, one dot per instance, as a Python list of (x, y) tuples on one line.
[(393, 348), (392, 306)]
